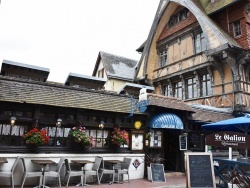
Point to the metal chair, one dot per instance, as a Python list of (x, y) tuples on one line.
[(55, 173), (31, 174), (107, 171), (9, 174), (94, 171), (124, 168), (70, 173)]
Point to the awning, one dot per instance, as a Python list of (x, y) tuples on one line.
[(166, 120)]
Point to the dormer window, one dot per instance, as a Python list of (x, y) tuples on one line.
[(178, 17)]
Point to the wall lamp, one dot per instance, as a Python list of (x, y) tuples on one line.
[(36, 123), (101, 125), (13, 120), (59, 122)]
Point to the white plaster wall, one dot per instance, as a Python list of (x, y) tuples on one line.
[(133, 172)]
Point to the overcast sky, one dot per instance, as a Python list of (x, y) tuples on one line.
[(67, 35)]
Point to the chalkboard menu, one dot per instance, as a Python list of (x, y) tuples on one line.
[(200, 170), (157, 172), (183, 142)]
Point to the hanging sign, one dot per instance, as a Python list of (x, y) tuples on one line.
[(229, 139)]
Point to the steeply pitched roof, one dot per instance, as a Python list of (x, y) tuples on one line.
[(215, 5), (13, 90), (117, 66)]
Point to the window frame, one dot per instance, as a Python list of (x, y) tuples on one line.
[(237, 28), (200, 40), (208, 85), (178, 90), (163, 57), (193, 86)]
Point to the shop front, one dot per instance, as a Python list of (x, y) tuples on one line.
[(165, 129)]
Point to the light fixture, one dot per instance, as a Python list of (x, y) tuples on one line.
[(13, 120), (59, 122), (101, 125), (35, 123), (137, 124)]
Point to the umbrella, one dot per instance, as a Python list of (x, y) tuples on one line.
[(239, 124)]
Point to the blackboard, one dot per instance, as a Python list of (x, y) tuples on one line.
[(157, 172), (183, 142), (200, 170)]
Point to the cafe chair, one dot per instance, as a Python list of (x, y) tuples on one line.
[(9, 174), (124, 168), (70, 173), (27, 174), (94, 170), (107, 171), (55, 173)]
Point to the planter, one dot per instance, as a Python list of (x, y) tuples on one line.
[(32, 148), (149, 173)]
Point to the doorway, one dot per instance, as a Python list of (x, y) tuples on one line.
[(173, 155)]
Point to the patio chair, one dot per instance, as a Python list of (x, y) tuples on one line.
[(94, 170), (107, 171), (70, 173), (55, 173), (124, 168), (9, 174), (27, 174)]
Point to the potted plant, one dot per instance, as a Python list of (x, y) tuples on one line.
[(119, 137), (80, 139), (35, 138)]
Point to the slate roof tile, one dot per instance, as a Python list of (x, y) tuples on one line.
[(42, 93), (168, 102)]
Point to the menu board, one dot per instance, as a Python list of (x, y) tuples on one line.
[(200, 171), (183, 142), (157, 172)]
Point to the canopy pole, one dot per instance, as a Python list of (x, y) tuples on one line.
[(230, 153), (206, 148)]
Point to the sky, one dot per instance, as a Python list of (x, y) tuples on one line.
[(67, 35)]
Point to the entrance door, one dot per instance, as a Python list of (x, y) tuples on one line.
[(172, 152)]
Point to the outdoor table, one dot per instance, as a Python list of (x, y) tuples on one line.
[(42, 163), (229, 165), (113, 163), (3, 160), (82, 163)]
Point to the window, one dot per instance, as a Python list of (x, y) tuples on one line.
[(100, 137), (206, 85), (101, 73), (191, 88), (200, 43), (178, 90), (237, 28), (163, 58), (167, 90), (178, 17)]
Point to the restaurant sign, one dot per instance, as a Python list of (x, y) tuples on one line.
[(229, 139)]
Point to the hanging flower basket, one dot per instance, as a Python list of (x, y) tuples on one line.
[(80, 140), (119, 137)]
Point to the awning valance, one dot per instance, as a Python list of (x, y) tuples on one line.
[(166, 120)]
